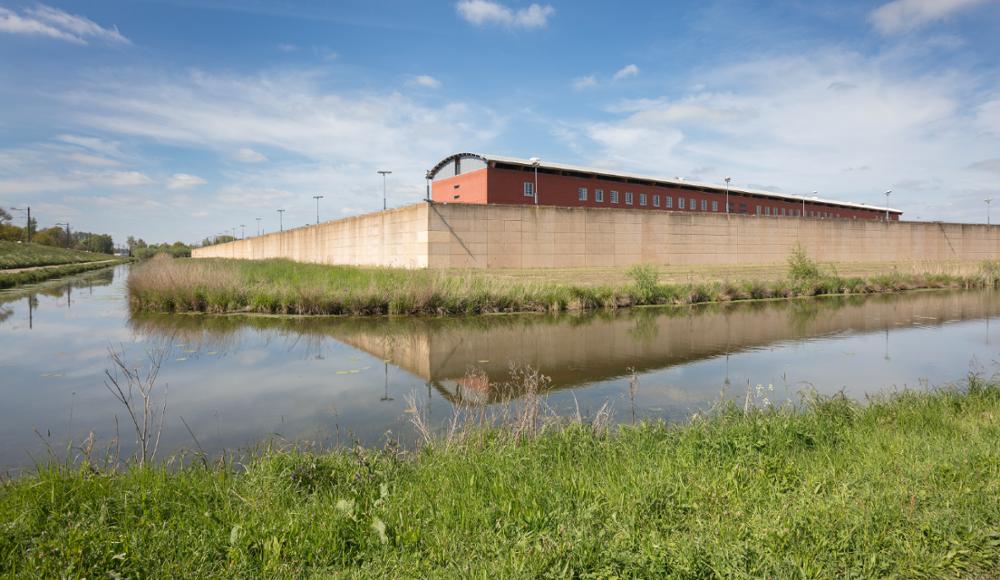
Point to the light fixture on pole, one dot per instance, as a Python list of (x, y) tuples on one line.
[(317, 198), (383, 173), (427, 177), (67, 232), (887, 192), (243, 232), (258, 225), (535, 161), (728, 179), (988, 200), (281, 223), (27, 228)]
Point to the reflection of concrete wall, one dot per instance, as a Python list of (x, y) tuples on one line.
[(576, 350), (506, 236), (396, 237)]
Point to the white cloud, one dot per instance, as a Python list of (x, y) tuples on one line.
[(248, 155), (90, 159), (184, 181), (584, 82), (44, 20), (285, 47), (481, 12), (900, 16), (117, 178), (425, 81), (800, 122), (629, 70)]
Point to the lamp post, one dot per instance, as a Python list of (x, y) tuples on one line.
[(535, 162), (427, 177), (27, 228), (258, 225), (281, 224), (67, 232), (988, 200), (243, 232), (887, 192), (383, 173), (317, 198), (728, 179)]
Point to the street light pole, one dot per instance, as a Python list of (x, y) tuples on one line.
[(535, 161), (317, 198), (728, 179), (887, 192), (281, 224), (67, 232), (258, 226), (988, 200), (383, 173), (243, 232), (27, 228)]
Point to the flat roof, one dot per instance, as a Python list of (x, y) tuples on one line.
[(664, 180)]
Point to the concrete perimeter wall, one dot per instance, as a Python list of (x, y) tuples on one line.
[(396, 237), (503, 236)]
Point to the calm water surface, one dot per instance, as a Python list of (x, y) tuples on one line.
[(239, 380)]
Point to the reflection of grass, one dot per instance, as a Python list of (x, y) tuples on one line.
[(19, 255), (12, 279), (906, 486), (285, 287)]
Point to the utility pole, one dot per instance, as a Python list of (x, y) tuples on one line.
[(317, 198), (258, 226), (281, 224), (383, 173)]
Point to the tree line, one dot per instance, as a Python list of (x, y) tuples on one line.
[(54, 236)]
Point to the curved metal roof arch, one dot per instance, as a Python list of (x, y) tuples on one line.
[(431, 173)]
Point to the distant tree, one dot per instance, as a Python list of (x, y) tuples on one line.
[(11, 233), (5, 216), (100, 243), (54, 236)]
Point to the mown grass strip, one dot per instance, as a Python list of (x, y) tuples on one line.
[(286, 287), (903, 486), (13, 279)]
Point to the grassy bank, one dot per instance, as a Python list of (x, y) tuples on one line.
[(285, 287), (13, 279), (15, 255), (906, 486)]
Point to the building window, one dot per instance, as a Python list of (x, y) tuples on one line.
[(656, 200), (599, 195), (668, 202), (628, 198), (582, 194), (680, 203), (529, 189), (767, 210), (715, 205), (758, 210), (743, 208), (782, 210), (642, 199), (614, 196), (704, 205)]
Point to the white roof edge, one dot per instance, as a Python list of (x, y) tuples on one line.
[(722, 188)]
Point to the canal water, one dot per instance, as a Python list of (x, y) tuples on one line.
[(238, 381)]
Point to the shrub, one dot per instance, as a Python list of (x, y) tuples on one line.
[(801, 268), (645, 282)]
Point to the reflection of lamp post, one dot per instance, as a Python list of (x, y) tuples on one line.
[(385, 396), (886, 356)]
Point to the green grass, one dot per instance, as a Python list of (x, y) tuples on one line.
[(286, 287), (15, 255), (904, 486), (14, 279)]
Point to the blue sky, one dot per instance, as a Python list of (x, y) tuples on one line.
[(180, 119)]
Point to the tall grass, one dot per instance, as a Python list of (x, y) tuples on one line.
[(285, 287), (906, 486)]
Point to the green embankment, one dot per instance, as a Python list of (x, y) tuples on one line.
[(15, 255), (35, 275), (285, 287), (906, 486)]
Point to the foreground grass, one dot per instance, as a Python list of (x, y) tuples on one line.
[(905, 486), (286, 287), (15, 255), (14, 279)]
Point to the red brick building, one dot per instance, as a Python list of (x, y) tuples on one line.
[(482, 179)]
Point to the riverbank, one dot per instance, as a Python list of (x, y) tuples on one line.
[(286, 287), (907, 486), (34, 275), (23, 255)]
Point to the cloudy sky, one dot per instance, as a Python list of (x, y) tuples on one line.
[(180, 119)]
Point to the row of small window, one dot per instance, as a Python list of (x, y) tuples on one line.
[(682, 203)]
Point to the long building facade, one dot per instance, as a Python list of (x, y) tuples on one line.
[(474, 178)]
